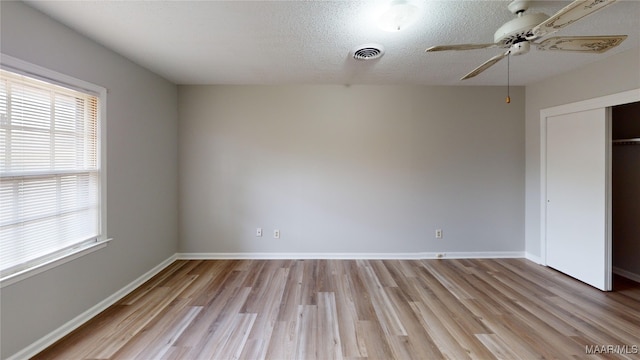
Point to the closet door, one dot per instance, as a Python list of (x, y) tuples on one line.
[(577, 224)]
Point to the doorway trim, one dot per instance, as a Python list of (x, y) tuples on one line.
[(590, 104)]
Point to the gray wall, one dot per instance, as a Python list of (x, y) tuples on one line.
[(142, 178), (359, 169), (626, 189), (618, 73)]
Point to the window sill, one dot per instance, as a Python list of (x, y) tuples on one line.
[(19, 276)]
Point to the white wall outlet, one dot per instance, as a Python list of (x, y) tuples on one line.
[(438, 233), (259, 232), (276, 234)]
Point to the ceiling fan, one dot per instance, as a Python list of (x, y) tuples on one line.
[(519, 34)]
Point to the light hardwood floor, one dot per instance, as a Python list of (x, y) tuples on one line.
[(361, 309)]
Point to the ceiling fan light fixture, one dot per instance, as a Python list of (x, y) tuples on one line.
[(399, 15), (519, 48)]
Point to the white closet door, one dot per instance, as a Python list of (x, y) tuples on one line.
[(577, 231)]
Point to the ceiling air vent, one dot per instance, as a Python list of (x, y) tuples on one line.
[(368, 52)]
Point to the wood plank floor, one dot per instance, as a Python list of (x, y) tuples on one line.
[(362, 309)]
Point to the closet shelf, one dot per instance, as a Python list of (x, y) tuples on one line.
[(632, 141)]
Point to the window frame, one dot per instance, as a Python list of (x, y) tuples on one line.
[(18, 66)]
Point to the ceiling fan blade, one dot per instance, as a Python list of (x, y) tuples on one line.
[(460, 47), (567, 16), (591, 44), (487, 64)]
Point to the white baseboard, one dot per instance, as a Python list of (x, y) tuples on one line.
[(628, 274), (475, 255), (288, 256), (73, 324), (536, 259), (350, 256)]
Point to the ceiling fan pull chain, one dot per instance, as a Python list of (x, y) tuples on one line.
[(508, 100)]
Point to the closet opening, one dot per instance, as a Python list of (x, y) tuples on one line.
[(625, 195)]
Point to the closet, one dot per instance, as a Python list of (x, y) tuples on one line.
[(625, 190)]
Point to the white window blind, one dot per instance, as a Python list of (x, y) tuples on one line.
[(49, 171)]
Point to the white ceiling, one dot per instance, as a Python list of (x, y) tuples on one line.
[(309, 42)]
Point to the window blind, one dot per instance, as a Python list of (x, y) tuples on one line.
[(49, 171)]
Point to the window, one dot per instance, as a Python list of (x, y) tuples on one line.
[(51, 179)]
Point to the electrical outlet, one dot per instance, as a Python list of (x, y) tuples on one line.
[(259, 232), (438, 233), (276, 234)]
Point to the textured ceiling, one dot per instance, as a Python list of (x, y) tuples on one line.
[(309, 42)]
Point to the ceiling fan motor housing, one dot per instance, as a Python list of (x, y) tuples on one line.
[(518, 29)]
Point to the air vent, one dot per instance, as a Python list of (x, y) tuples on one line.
[(368, 52)]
